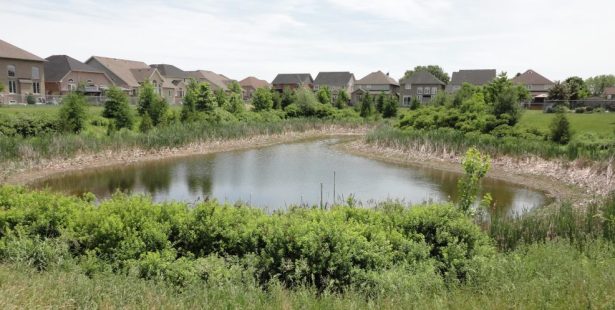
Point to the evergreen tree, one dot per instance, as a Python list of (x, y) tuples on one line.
[(221, 98), (73, 113), (380, 101), (118, 109), (560, 129), (205, 98), (277, 99), (367, 106), (189, 102), (151, 103), (390, 107)]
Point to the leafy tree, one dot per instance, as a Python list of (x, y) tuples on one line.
[(324, 95), (559, 91), (221, 97), (560, 129), (205, 98), (597, 84), (390, 107), (189, 101), (306, 101), (367, 106), (433, 69), (73, 113), (277, 99), (151, 103), (577, 88), (235, 88), (262, 100), (415, 104), (118, 108), (342, 99), (235, 104), (288, 97), (465, 92), (475, 166), (146, 123), (380, 101)]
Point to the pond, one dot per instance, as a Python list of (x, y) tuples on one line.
[(278, 176)]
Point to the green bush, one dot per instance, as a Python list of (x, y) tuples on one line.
[(30, 99), (73, 113), (560, 129)]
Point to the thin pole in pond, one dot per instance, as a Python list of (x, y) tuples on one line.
[(334, 197), (321, 195)]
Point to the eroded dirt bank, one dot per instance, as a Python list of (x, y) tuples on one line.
[(579, 182)]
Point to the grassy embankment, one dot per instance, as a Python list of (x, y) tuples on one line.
[(95, 139), (63, 251), (593, 139)]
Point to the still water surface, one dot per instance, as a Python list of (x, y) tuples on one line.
[(282, 175)]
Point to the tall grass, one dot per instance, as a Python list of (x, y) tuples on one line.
[(447, 140), (176, 135)]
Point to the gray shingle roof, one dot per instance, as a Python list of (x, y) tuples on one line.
[(11, 51), (530, 77), (171, 71), (339, 79), (422, 78), (377, 78), (58, 66), (475, 77), (293, 78)]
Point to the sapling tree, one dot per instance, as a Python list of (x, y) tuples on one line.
[(324, 95), (367, 106), (475, 166), (73, 113), (118, 109), (560, 129)]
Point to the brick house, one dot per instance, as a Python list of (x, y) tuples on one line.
[(23, 74)]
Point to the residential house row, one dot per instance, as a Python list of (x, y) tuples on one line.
[(47, 79)]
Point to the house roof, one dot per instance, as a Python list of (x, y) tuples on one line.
[(609, 91), (254, 83), (530, 77), (422, 77), (377, 78), (122, 68), (11, 51), (340, 79), (293, 78), (58, 66), (475, 77), (171, 71), (214, 79)]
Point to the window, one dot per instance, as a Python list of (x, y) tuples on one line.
[(368, 86), (12, 86), (35, 73), (11, 70), (434, 90), (407, 100), (419, 90), (36, 87), (426, 91), (408, 86), (71, 85), (90, 82)]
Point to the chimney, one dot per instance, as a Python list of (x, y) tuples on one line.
[(387, 74)]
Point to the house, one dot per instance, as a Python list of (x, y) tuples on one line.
[(23, 74), (478, 77), (292, 81), (536, 84), (422, 85), (176, 76), (250, 85), (216, 81), (336, 81), (64, 74), (609, 93), (374, 84), (130, 75)]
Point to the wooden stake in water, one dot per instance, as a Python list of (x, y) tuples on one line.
[(321, 195)]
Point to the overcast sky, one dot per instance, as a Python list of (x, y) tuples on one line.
[(557, 38)]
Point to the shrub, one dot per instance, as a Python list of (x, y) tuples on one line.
[(146, 123), (118, 108), (262, 100), (475, 166), (30, 99), (73, 113), (560, 129)]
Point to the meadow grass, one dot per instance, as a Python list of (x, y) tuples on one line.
[(602, 125)]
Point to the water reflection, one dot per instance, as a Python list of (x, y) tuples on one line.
[(278, 176)]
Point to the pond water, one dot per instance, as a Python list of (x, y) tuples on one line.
[(279, 176)]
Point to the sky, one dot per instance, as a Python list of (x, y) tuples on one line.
[(557, 38)]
